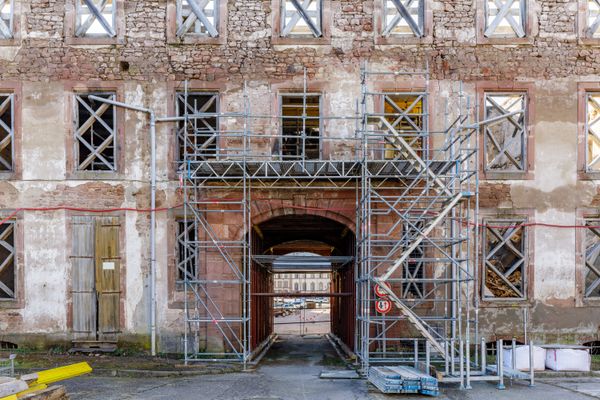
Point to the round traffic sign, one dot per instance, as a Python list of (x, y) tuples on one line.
[(383, 306), (379, 291)]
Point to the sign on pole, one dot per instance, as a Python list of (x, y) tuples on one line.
[(383, 306), (380, 292)]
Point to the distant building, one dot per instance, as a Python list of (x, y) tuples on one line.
[(312, 282)]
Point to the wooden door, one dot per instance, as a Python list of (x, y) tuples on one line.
[(95, 288), (108, 265), (83, 286)]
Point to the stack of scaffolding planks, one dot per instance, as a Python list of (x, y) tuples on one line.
[(402, 379)]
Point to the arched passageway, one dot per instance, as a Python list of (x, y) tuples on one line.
[(316, 245)]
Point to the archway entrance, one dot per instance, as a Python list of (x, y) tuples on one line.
[(303, 264)]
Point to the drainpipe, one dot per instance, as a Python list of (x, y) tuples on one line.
[(152, 210)]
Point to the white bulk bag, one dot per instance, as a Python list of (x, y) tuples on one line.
[(522, 358), (568, 360)]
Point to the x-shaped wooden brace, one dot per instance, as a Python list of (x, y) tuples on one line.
[(6, 132), (96, 14), (518, 133), (593, 28), (8, 229), (192, 110), (404, 14), (593, 102), (5, 31), (504, 9), (404, 115), (592, 260), (95, 152), (189, 249), (301, 12), (504, 242), (197, 13)]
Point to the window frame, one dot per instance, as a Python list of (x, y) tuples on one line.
[(486, 87), (583, 27), (586, 269), (278, 22), (216, 95), (529, 25), (18, 301), (379, 22), (14, 26), (280, 97), (13, 257), (72, 23), (77, 126), (172, 26), (526, 273), (178, 242), (5, 98)]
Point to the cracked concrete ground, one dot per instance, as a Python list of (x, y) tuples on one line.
[(291, 371)]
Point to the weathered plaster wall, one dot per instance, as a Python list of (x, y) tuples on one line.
[(553, 60)]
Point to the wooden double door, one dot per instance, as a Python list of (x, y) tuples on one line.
[(95, 277)]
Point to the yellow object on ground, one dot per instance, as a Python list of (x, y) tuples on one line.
[(41, 380), (61, 373)]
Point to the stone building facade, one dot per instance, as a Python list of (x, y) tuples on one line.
[(75, 203)]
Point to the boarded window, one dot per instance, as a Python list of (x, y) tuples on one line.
[(7, 131), (186, 250), (505, 259), (197, 138), (593, 18), (593, 132), (300, 126), (403, 17), (505, 137), (95, 18), (405, 113), (301, 18), (7, 260), (6, 19), (95, 133), (197, 17), (592, 259), (414, 267), (505, 18)]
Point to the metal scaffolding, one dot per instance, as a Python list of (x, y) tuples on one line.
[(416, 195)]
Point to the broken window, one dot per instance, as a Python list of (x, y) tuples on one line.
[(6, 131), (7, 260), (301, 18), (505, 18), (95, 132), (6, 19), (403, 17), (505, 136), (413, 269), (592, 258), (186, 250), (96, 18), (593, 18), (197, 17), (197, 138), (593, 132), (300, 126), (406, 115), (504, 256)]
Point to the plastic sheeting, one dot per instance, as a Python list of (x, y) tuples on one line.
[(522, 358)]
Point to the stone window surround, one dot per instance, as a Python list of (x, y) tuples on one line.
[(71, 142), (484, 87), (71, 25), (379, 21), (326, 23), (583, 88), (530, 21), (582, 25), (15, 88), (18, 302), (16, 39), (193, 86), (529, 216), (171, 26)]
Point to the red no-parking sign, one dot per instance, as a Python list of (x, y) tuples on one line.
[(379, 291), (383, 306)]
